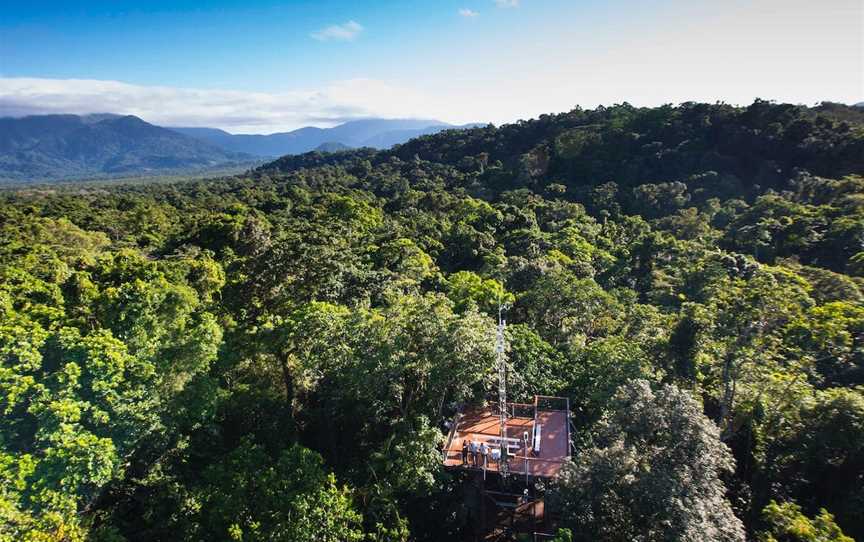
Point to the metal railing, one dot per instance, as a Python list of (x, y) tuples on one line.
[(517, 463), (550, 403), (452, 434)]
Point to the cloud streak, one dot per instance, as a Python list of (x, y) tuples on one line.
[(339, 32), (468, 13), (235, 111)]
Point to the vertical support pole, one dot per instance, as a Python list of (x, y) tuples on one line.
[(503, 467), (483, 497)]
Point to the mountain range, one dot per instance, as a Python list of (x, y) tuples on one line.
[(46, 147), (50, 147), (375, 133)]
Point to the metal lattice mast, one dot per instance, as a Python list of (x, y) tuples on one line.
[(503, 466)]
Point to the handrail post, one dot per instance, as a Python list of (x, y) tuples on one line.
[(452, 434)]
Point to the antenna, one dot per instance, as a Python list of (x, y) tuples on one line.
[(503, 467)]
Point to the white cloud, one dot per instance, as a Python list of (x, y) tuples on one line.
[(465, 12), (669, 63), (507, 3), (338, 32), (235, 111)]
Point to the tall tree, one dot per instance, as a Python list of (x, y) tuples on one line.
[(653, 473)]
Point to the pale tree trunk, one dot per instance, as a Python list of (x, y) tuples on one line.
[(730, 380), (729, 384), (288, 380)]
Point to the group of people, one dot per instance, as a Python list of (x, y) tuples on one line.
[(479, 454), (476, 454)]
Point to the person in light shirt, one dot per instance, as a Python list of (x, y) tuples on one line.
[(484, 454)]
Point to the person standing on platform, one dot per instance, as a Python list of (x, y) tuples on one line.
[(472, 453), (465, 451), (484, 454)]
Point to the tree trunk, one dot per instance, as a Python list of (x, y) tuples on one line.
[(728, 397), (289, 385)]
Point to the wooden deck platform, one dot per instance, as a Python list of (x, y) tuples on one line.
[(482, 425)]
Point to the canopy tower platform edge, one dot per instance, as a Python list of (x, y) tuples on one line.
[(537, 438)]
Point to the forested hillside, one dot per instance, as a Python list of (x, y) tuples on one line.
[(273, 356)]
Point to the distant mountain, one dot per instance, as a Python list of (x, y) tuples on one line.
[(296, 142), (332, 146), (385, 140), (376, 133), (359, 133), (46, 147)]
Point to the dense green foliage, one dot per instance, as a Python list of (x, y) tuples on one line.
[(788, 524), (272, 356), (653, 474)]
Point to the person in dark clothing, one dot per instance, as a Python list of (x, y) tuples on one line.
[(465, 451)]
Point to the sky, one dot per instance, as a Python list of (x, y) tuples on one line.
[(266, 66)]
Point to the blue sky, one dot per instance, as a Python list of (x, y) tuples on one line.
[(264, 66)]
